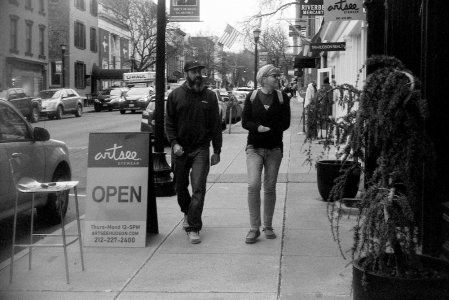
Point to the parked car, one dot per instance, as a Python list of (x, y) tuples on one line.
[(148, 122), (137, 98), (222, 108), (240, 93), (30, 107), (38, 157), (109, 98), (57, 102)]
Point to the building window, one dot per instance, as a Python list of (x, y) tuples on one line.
[(94, 8), (80, 4), (55, 72), (28, 37), (42, 7), (93, 40), (42, 41), (14, 20), (80, 35), (28, 5), (80, 71)]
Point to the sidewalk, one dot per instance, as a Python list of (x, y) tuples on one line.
[(302, 263)]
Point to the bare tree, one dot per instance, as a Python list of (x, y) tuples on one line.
[(139, 17)]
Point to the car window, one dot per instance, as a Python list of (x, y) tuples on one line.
[(49, 94), (116, 92), (138, 91), (12, 126), (11, 94), (63, 93)]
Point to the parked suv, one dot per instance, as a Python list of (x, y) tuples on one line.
[(30, 107), (109, 98), (57, 102), (36, 157)]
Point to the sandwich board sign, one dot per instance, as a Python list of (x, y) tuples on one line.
[(117, 189)]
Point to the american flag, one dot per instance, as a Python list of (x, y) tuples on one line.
[(229, 36)]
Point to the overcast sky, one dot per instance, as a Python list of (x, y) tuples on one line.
[(215, 14)]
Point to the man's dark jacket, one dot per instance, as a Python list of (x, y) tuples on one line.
[(192, 119), (277, 117)]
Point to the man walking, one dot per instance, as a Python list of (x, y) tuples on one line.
[(191, 123)]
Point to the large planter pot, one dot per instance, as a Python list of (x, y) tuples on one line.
[(378, 287), (329, 170)]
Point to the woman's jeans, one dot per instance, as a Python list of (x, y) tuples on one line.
[(269, 160), (196, 163)]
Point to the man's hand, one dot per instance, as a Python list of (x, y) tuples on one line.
[(214, 159), (177, 150), (263, 128)]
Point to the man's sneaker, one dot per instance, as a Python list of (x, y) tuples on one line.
[(185, 222), (269, 233), (252, 236), (194, 237)]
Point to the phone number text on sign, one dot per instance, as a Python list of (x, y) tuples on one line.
[(114, 235)]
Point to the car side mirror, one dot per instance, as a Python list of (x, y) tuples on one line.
[(40, 134)]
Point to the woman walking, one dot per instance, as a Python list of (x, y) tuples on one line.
[(266, 115)]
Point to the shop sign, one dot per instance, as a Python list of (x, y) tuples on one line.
[(328, 46), (184, 11), (139, 76), (343, 10), (117, 189), (311, 8)]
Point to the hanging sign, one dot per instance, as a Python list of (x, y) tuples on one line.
[(311, 8), (328, 46), (184, 11), (343, 10), (117, 189)]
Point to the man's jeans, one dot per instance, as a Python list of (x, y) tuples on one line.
[(269, 160), (196, 163)]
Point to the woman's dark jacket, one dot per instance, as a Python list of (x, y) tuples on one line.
[(192, 119), (277, 117)]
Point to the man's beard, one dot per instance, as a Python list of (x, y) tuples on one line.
[(196, 84)]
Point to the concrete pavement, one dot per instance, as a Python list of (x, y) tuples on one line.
[(302, 263)]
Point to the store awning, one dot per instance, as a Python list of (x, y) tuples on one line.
[(308, 58), (98, 73)]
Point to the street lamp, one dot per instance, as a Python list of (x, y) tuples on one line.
[(63, 48), (256, 33)]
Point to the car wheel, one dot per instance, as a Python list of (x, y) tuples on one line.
[(97, 107), (133, 111), (34, 117), (122, 111), (50, 211), (79, 111), (59, 112), (51, 117), (110, 109)]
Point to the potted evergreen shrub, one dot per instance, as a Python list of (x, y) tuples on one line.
[(334, 157), (389, 137)]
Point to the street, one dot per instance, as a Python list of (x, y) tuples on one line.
[(75, 133)]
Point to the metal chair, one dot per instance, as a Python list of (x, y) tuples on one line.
[(29, 185)]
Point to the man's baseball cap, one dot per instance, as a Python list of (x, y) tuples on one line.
[(193, 64)]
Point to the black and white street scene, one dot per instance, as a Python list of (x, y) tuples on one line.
[(235, 150)]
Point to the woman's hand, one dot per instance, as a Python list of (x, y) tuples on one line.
[(263, 128)]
